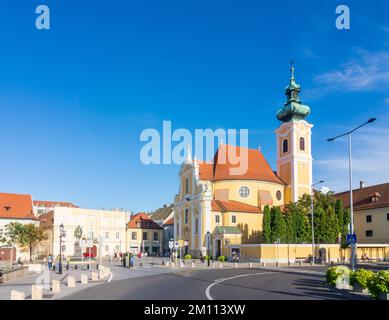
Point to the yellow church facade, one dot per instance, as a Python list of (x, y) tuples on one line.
[(215, 208)]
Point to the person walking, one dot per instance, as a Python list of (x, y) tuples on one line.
[(50, 261)]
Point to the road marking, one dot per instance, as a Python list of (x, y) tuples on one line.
[(207, 291)]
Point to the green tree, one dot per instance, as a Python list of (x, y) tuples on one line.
[(279, 226), (290, 236), (267, 225), (25, 235)]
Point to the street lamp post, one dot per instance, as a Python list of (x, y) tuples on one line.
[(313, 225), (208, 241), (348, 134), (61, 233)]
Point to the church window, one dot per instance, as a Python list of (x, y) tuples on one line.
[(278, 195), (186, 185), (186, 216), (244, 192), (217, 218), (233, 218), (302, 144), (197, 226), (285, 146)]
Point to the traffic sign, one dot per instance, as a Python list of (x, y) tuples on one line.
[(186, 242), (351, 238), (179, 243)]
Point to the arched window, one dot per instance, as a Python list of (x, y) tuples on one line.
[(186, 185), (285, 146), (302, 144)]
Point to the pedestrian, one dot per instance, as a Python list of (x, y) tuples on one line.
[(50, 261)]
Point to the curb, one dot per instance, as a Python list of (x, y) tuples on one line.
[(348, 294)]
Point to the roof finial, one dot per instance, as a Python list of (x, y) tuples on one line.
[(188, 154), (292, 70)]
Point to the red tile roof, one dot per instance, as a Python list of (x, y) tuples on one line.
[(170, 221), (40, 203), (258, 168), (233, 206), (363, 198), (146, 222), (16, 206)]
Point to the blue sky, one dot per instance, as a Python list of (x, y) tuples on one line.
[(75, 98)]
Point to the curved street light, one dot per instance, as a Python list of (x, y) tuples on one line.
[(348, 134)]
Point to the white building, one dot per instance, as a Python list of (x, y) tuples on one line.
[(15, 208), (110, 225)]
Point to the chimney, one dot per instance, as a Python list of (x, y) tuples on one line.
[(361, 184)]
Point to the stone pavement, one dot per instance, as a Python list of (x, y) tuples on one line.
[(150, 266)]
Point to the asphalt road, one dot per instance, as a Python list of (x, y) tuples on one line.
[(227, 284)]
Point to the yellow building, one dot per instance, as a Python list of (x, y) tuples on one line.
[(145, 235), (371, 212), (217, 203)]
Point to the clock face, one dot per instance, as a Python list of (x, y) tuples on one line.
[(244, 192)]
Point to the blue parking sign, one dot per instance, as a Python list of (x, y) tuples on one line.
[(351, 238)]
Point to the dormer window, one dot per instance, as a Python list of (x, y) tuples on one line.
[(7, 208), (375, 197)]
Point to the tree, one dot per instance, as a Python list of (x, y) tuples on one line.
[(25, 235), (290, 236), (266, 225), (279, 226)]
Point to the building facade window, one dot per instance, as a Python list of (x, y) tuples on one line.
[(244, 192), (186, 185), (155, 236), (144, 235), (217, 218), (233, 218), (107, 235), (186, 217), (285, 146), (133, 236), (368, 218), (369, 233), (302, 144), (117, 235), (278, 195), (197, 226), (117, 247)]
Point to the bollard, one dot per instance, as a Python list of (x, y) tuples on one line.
[(250, 264), (236, 265), (75, 267), (101, 274), (87, 266), (17, 295), (36, 292), (84, 278), (95, 276), (55, 286), (300, 263), (71, 282), (276, 263), (168, 264), (97, 266), (221, 265), (193, 265)]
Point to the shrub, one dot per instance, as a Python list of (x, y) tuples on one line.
[(337, 273), (378, 283), (187, 257), (361, 276), (222, 258), (207, 258)]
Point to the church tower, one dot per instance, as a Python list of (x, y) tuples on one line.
[(294, 157)]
